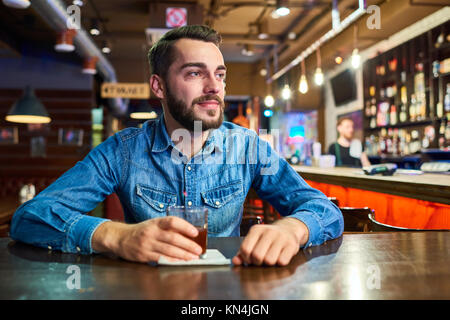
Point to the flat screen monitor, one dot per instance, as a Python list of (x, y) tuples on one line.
[(344, 87)]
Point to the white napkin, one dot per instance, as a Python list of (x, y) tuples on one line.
[(212, 257)]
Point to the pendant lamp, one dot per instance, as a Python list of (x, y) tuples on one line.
[(28, 109)]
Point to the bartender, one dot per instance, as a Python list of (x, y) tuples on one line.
[(348, 151)]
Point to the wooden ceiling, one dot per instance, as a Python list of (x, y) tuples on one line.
[(124, 23)]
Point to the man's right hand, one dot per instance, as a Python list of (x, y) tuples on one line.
[(147, 241)]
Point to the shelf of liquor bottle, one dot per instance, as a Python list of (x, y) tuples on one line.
[(442, 75), (441, 47), (405, 124)]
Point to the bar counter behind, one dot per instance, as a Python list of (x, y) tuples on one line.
[(410, 201)]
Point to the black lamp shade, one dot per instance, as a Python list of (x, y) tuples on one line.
[(28, 109)]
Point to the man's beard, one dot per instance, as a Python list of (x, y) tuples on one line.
[(186, 116)]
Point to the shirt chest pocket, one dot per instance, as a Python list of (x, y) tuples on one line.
[(150, 202), (224, 204)]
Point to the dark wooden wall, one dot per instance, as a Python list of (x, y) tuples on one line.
[(69, 109)]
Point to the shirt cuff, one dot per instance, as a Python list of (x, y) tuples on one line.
[(81, 232), (314, 227)]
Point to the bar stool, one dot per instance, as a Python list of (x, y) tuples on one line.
[(382, 227), (334, 200)]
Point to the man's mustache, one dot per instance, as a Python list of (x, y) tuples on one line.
[(209, 98)]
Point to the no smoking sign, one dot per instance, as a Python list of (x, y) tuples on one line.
[(176, 17)]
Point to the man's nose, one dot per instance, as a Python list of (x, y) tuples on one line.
[(212, 85)]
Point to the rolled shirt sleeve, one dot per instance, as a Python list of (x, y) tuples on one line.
[(56, 218)]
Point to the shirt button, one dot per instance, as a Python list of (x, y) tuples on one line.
[(217, 203), (189, 203), (189, 168), (49, 247), (161, 205), (78, 249)]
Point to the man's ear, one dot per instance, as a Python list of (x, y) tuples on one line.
[(157, 86)]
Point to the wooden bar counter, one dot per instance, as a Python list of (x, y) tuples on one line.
[(403, 265), (411, 201)]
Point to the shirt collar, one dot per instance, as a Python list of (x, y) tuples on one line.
[(162, 140)]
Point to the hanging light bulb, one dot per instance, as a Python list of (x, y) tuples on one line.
[(286, 92), (269, 101), (303, 84), (318, 77), (356, 59)]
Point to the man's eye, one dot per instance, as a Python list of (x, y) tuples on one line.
[(221, 76), (194, 73)]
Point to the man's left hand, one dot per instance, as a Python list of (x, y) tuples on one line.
[(272, 244)]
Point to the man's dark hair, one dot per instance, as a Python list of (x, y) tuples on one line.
[(161, 54)]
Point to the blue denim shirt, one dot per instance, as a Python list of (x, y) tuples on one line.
[(147, 172)]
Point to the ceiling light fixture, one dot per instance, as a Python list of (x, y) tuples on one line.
[(263, 32), (64, 43), (89, 65), (95, 28), (282, 8), (106, 47), (248, 50), (28, 109)]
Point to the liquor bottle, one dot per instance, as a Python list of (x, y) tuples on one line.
[(393, 115), (412, 108), (447, 100), (439, 109), (407, 142), (401, 146), (396, 143), (389, 142), (442, 134), (367, 109), (373, 107), (382, 142), (414, 145), (440, 40), (421, 107), (403, 116), (436, 67), (447, 133)]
